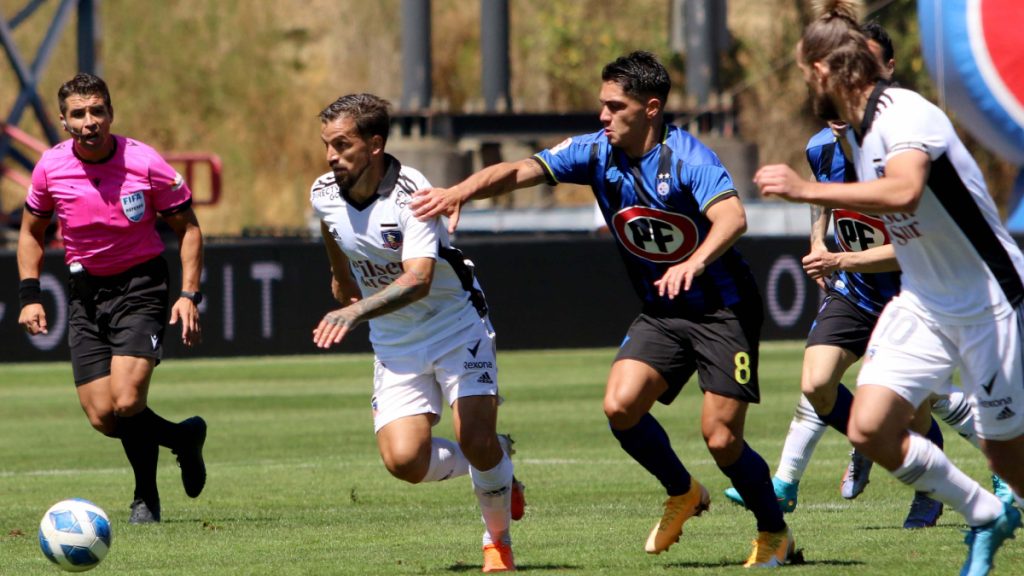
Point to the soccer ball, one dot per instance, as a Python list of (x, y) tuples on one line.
[(75, 534)]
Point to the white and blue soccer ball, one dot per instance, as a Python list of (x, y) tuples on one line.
[(75, 534)]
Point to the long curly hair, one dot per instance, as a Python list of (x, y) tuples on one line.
[(836, 40)]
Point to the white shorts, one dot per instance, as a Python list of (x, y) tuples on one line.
[(914, 356), (418, 382)]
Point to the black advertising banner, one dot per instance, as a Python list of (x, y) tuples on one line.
[(265, 297)]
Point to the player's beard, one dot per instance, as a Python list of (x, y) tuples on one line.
[(824, 108), (349, 178)]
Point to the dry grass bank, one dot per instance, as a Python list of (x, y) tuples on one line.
[(245, 79)]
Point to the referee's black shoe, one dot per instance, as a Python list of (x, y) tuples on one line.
[(190, 455), (143, 512)]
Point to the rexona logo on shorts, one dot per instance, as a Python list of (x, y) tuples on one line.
[(134, 205), (655, 235)]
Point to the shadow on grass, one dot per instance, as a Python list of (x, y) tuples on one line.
[(951, 523), (732, 564), (519, 567), (219, 522), (796, 560)]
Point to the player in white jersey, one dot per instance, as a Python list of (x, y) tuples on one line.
[(432, 339), (961, 300)]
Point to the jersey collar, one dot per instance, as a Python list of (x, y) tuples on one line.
[(870, 110), (387, 184), (390, 179), (113, 152)]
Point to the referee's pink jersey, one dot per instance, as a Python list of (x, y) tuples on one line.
[(107, 209)]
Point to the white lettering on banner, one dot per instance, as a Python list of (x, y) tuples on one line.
[(229, 303), (782, 316), (58, 323), (266, 273)]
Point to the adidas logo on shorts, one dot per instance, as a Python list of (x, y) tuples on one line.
[(1005, 413), (485, 378)]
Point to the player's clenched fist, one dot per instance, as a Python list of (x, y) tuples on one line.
[(780, 181)]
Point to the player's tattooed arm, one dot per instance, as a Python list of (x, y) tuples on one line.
[(412, 285), (819, 225), (405, 290), (819, 263)]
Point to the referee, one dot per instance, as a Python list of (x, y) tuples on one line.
[(107, 191)]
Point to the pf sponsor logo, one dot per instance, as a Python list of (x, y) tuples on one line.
[(858, 232), (134, 205), (655, 235)]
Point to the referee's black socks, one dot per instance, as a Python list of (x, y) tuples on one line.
[(151, 425)]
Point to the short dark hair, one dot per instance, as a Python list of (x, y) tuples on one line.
[(369, 112), (874, 31), (84, 84), (640, 75)]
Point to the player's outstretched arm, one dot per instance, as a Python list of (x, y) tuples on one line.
[(898, 191), (413, 284), (190, 248), (728, 223), (493, 180), (30, 263)]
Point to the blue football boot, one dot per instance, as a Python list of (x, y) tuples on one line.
[(784, 492)]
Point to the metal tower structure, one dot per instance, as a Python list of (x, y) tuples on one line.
[(28, 72)]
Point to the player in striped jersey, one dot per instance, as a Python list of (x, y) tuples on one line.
[(962, 295), (431, 335), (859, 279), (675, 215)]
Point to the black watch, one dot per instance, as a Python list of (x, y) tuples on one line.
[(195, 297)]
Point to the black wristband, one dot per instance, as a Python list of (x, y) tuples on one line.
[(29, 292)]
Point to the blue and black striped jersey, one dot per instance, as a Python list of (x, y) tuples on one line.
[(655, 206), (852, 231)]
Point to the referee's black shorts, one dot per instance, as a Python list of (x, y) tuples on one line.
[(120, 315), (721, 347)]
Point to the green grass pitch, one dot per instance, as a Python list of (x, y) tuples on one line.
[(296, 486)]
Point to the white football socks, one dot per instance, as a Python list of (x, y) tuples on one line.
[(493, 490), (446, 461), (928, 470), (955, 410), (805, 430)]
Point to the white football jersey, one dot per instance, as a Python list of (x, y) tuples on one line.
[(378, 236), (959, 263)]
